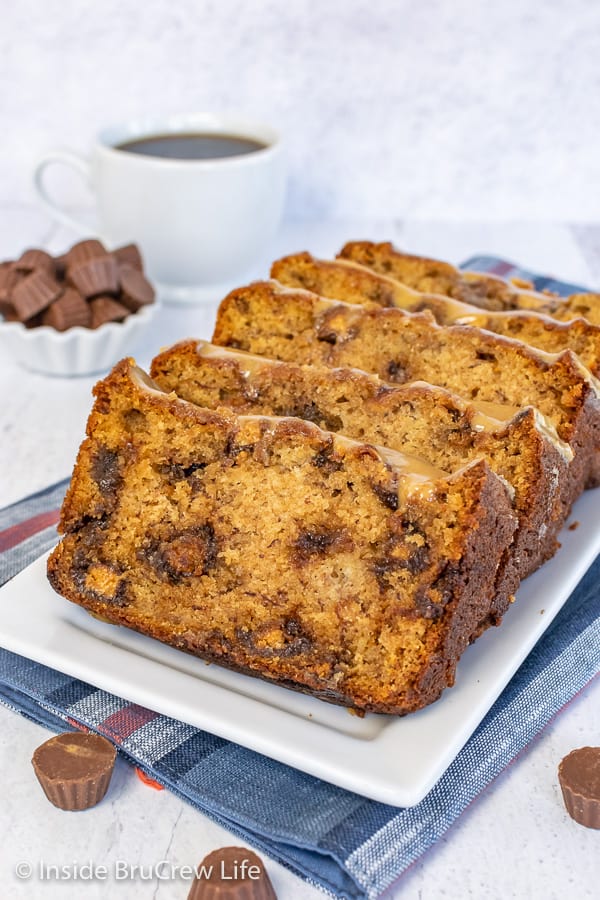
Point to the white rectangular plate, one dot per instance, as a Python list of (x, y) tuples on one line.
[(394, 760)]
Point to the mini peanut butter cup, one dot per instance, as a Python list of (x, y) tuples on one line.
[(74, 769), (66, 312), (232, 873), (33, 294), (129, 255), (82, 252), (86, 287), (106, 309), (99, 275), (9, 278), (33, 259), (579, 777), (136, 291)]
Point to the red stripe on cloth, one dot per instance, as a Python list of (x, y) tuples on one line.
[(14, 535), (77, 725), (501, 268), (124, 722)]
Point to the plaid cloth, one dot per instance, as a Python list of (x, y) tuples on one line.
[(349, 846), (494, 266)]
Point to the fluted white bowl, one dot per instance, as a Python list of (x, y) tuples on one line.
[(77, 351)]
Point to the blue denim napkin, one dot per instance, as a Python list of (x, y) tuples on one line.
[(350, 846)]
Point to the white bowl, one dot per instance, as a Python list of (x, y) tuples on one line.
[(77, 351)]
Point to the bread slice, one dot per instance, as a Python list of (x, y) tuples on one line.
[(586, 305), (335, 567), (344, 280), (417, 418), (400, 347), (432, 276)]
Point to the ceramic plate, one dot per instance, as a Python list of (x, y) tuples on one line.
[(394, 760)]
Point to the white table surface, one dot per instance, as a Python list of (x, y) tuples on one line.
[(514, 841)]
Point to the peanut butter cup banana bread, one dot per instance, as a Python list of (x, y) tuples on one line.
[(416, 418), (585, 305), (298, 326), (433, 276), (270, 546), (342, 279), (353, 283)]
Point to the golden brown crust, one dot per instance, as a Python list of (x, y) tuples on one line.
[(352, 282), (431, 276), (402, 347), (418, 418), (485, 291), (577, 305), (339, 280)]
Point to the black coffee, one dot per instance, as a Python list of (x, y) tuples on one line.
[(192, 146)]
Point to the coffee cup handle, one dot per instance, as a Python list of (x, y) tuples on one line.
[(67, 158)]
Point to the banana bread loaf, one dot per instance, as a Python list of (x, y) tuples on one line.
[(299, 326), (417, 418), (327, 565), (342, 279), (354, 283), (487, 291), (433, 276), (585, 305)]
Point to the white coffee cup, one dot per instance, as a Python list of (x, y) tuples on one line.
[(200, 223)]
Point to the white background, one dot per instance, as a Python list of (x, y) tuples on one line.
[(438, 109)]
